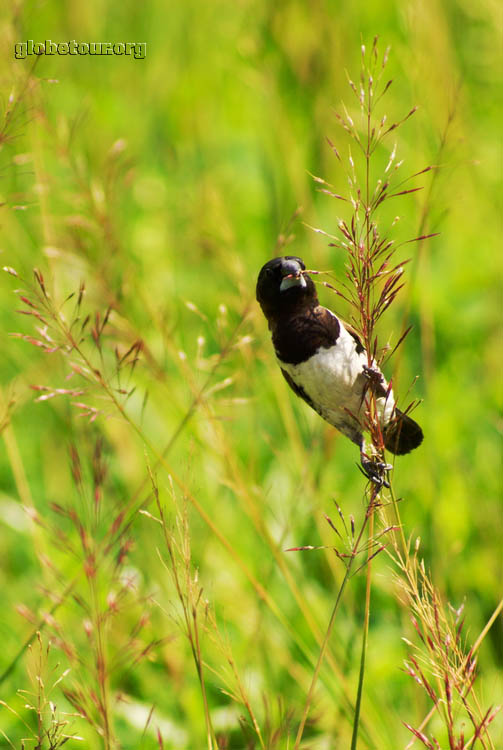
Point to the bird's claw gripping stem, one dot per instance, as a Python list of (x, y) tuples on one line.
[(375, 470), (373, 375)]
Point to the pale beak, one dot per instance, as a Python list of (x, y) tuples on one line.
[(293, 279)]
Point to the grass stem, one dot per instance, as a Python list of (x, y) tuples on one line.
[(366, 618)]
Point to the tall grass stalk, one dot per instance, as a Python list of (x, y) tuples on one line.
[(373, 280)]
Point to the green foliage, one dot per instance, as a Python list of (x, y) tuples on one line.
[(162, 184)]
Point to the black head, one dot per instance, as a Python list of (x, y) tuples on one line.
[(282, 286)]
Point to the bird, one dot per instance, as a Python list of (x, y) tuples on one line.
[(324, 362)]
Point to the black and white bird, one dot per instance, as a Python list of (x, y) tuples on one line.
[(325, 363)]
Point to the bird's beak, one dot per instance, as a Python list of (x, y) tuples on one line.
[(289, 280)]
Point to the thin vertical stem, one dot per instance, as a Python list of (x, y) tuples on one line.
[(196, 652), (366, 314), (366, 619), (326, 639), (101, 663), (317, 668), (367, 319)]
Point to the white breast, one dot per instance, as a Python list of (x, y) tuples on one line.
[(334, 381)]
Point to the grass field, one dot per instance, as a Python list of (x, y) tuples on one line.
[(155, 469)]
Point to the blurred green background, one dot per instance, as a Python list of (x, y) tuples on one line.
[(164, 183)]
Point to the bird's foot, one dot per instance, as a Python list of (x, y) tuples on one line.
[(375, 470), (373, 375)]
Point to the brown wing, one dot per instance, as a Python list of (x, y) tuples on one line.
[(298, 337)]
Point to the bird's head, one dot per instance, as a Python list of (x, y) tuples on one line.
[(284, 286)]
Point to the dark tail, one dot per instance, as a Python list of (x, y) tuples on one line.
[(402, 434)]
